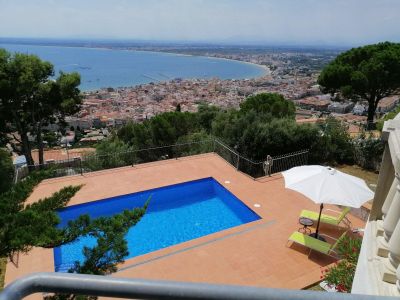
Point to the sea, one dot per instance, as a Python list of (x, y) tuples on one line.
[(102, 68)]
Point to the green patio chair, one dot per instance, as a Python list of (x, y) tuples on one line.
[(316, 244), (327, 219)]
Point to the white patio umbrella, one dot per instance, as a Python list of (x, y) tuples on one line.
[(326, 185)]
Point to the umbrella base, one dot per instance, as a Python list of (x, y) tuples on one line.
[(314, 235)]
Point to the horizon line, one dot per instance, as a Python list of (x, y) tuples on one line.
[(160, 42)]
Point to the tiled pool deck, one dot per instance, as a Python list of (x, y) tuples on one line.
[(253, 254)]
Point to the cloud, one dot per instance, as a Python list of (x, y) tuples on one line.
[(258, 21)]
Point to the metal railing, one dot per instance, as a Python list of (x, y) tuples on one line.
[(107, 286), (287, 161), (267, 167), (91, 162)]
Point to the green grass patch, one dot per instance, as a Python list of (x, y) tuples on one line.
[(3, 264), (371, 178)]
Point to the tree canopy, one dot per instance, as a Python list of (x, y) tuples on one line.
[(25, 226), (271, 103), (264, 125), (111, 247), (6, 171), (367, 73), (30, 97), (172, 127)]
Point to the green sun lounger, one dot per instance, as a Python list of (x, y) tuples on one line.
[(315, 244), (327, 219)]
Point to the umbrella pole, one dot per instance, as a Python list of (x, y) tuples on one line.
[(321, 207)]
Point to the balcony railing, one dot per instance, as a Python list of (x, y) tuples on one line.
[(107, 286), (90, 162)]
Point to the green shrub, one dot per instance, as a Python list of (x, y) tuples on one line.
[(334, 143), (368, 152), (341, 275)]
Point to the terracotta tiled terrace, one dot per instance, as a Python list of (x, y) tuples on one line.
[(254, 254)]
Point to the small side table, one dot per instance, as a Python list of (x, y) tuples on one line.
[(306, 222)]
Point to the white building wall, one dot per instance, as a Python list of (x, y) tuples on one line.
[(378, 267)]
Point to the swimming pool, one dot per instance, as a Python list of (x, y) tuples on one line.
[(176, 213)]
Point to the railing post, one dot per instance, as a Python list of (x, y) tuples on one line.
[(16, 175), (80, 165)]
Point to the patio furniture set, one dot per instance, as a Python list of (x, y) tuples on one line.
[(325, 185), (304, 236)]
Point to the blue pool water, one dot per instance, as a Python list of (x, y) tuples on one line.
[(176, 213)]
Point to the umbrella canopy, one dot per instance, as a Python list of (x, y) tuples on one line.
[(325, 185), (328, 186)]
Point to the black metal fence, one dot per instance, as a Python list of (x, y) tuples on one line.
[(241, 163), (267, 167), (287, 161), (90, 162), (95, 162)]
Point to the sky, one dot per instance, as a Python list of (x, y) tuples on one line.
[(269, 22)]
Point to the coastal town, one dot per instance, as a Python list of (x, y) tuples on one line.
[(294, 75), (144, 101)]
